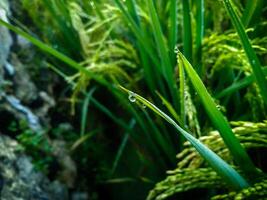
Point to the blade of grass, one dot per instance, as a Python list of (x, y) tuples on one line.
[(239, 85), (59, 13), (146, 137), (249, 10), (251, 55), (122, 147), (170, 108), (187, 32), (144, 45), (85, 110), (182, 94), (251, 7), (163, 52), (160, 140), (199, 34), (131, 5), (173, 31), (219, 121), (136, 30), (82, 139), (220, 166)]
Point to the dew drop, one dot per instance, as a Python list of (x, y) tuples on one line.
[(176, 49), (131, 97), (92, 4), (218, 107), (144, 106), (253, 62)]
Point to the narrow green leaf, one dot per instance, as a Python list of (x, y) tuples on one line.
[(136, 30), (219, 121), (131, 5), (170, 108), (199, 34), (163, 51), (182, 94), (251, 7), (239, 85), (187, 31), (122, 147), (159, 139), (60, 14), (85, 110), (173, 30), (251, 55), (220, 166), (146, 47), (82, 139)]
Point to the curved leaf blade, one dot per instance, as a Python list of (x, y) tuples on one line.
[(229, 174), (217, 118), (251, 54)]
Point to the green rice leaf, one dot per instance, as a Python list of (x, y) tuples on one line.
[(170, 108), (219, 121), (250, 9), (187, 31), (239, 85), (85, 110), (173, 31), (220, 166), (167, 67), (251, 55), (182, 95), (199, 34)]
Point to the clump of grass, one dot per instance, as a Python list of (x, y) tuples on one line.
[(222, 168), (133, 44), (192, 172), (251, 55)]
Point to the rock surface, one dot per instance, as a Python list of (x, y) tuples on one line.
[(18, 91), (18, 178)]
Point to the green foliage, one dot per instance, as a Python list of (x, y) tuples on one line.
[(192, 172), (95, 45), (35, 144), (251, 55), (221, 167), (38, 147), (219, 121)]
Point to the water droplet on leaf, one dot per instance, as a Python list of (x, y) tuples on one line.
[(176, 50), (131, 97), (218, 107)]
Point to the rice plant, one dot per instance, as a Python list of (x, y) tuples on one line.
[(195, 83)]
